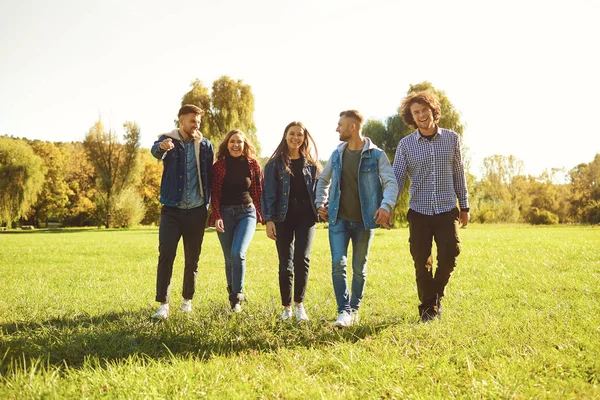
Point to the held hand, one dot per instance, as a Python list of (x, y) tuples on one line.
[(219, 225), (271, 231), (391, 219), (464, 218), (382, 217), (323, 213), (167, 144)]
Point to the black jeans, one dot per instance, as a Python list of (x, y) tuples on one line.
[(294, 255), (175, 223), (443, 228)]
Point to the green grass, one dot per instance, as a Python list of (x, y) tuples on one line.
[(521, 321)]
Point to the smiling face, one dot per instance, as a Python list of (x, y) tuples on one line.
[(423, 117), (189, 123), (345, 128), (294, 137), (235, 145)]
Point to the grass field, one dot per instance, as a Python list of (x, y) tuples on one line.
[(521, 320)]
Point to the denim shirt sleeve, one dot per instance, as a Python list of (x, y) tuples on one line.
[(388, 183), (156, 151), (269, 192), (323, 184)]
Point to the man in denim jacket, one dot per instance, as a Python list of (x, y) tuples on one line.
[(185, 194), (356, 191)]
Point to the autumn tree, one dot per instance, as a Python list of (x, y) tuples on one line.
[(81, 178), (54, 197), (21, 179), (230, 105), (115, 163), (149, 187)]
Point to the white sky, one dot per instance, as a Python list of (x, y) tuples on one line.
[(523, 74)]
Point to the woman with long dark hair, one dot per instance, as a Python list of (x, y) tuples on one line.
[(290, 214), (235, 201)]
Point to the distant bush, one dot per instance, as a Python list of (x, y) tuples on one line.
[(128, 209), (542, 217), (490, 211)]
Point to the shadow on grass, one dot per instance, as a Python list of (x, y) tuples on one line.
[(74, 342), (49, 230)]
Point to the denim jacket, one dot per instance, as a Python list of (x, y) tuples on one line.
[(276, 189), (173, 177), (377, 187)]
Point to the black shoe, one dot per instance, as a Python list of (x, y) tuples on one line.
[(428, 316)]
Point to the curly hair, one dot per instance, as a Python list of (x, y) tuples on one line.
[(308, 149), (424, 97), (249, 150)]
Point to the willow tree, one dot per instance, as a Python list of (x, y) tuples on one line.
[(115, 163), (230, 105), (21, 179)]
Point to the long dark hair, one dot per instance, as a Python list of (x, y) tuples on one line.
[(249, 150), (307, 149)]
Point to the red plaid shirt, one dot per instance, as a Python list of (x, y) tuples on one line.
[(256, 179)]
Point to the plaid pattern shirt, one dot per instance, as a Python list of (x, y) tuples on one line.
[(435, 169), (256, 179)]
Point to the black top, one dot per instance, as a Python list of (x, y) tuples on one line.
[(236, 184), (297, 186)]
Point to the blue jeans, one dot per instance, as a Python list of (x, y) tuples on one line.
[(239, 223), (340, 235)]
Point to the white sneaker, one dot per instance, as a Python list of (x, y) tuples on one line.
[(287, 313), (343, 320), (300, 313), (237, 308), (162, 312), (186, 306), (354, 317)]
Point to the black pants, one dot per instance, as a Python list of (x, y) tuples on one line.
[(294, 255), (175, 223), (443, 228)]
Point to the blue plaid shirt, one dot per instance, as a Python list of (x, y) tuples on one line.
[(435, 169)]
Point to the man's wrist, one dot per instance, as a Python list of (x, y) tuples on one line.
[(465, 209)]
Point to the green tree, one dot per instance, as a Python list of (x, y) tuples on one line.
[(230, 105), (115, 163), (585, 189), (497, 193), (53, 199), (540, 199), (21, 179)]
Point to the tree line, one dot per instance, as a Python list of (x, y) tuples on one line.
[(112, 181)]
